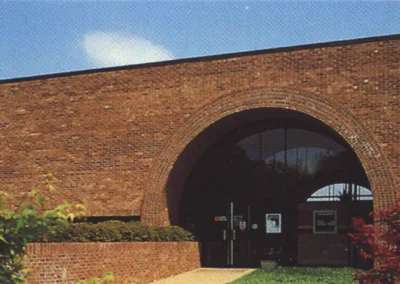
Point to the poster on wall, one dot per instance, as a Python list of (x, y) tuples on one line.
[(273, 223), (325, 221)]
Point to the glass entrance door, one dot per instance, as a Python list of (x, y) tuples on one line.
[(229, 242), (239, 241)]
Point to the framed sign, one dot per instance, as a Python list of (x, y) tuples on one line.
[(325, 221), (273, 223)]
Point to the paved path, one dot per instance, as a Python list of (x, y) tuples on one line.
[(206, 276)]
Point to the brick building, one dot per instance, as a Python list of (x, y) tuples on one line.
[(131, 140)]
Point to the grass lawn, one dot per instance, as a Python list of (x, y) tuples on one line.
[(299, 275)]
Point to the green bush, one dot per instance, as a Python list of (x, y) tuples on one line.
[(28, 222), (114, 231), (107, 278)]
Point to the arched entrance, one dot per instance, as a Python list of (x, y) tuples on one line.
[(189, 141), (245, 197)]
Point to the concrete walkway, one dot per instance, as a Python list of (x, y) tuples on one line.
[(206, 276)]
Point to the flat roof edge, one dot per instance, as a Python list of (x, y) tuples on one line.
[(206, 58)]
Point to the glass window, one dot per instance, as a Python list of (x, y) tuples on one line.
[(339, 192)]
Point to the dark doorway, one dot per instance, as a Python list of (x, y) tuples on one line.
[(242, 197), (228, 241)]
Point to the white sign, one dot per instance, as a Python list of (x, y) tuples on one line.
[(254, 226), (273, 223), (242, 225)]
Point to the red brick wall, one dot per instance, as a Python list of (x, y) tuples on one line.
[(112, 137), (67, 262)]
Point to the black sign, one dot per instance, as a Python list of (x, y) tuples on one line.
[(325, 222)]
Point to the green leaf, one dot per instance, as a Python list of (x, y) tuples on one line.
[(3, 239), (40, 200), (109, 276)]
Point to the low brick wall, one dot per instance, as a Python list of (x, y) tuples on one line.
[(130, 262)]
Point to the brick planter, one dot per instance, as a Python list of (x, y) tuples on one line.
[(130, 262)]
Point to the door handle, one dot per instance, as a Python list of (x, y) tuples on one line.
[(234, 234), (224, 235)]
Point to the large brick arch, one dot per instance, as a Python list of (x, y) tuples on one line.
[(155, 207)]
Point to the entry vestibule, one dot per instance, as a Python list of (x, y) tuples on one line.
[(246, 197)]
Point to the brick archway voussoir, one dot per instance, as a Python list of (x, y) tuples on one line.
[(154, 206)]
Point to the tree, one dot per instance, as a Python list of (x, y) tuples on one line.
[(26, 224), (379, 242)]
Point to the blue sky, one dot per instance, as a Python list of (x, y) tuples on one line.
[(59, 36)]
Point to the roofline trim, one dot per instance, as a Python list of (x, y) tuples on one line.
[(205, 58)]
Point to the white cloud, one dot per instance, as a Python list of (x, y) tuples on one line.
[(113, 49)]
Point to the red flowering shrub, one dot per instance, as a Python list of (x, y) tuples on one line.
[(379, 242)]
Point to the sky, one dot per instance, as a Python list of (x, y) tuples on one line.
[(45, 37)]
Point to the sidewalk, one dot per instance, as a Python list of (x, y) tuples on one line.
[(206, 276)]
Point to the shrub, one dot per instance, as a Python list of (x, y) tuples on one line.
[(26, 224), (380, 242), (31, 222), (107, 278), (114, 231), (173, 233)]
